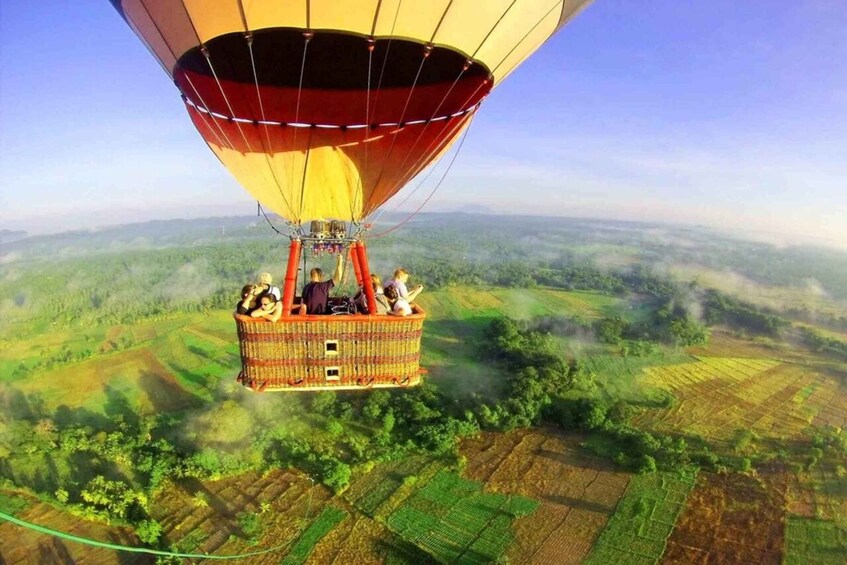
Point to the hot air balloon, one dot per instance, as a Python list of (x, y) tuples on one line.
[(323, 110)]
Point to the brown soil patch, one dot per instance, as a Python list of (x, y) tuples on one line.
[(731, 518), (22, 545), (578, 493)]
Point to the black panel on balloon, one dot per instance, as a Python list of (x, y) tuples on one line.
[(334, 61)]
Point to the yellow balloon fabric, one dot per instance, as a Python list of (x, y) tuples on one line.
[(324, 109)]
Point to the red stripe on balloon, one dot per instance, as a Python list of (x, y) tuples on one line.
[(338, 107)]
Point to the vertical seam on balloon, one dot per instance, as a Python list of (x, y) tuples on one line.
[(305, 169), (376, 17), (527, 34), (243, 16), (452, 86), (173, 54), (426, 152), (361, 188), (496, 24), (270, 160), (441, 21), (385, 59), (190, 82), (360, 192), (205, 51), (427, 51), (296, 120), (441, 180)]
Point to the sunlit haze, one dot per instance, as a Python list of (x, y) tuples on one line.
[(728, 114)]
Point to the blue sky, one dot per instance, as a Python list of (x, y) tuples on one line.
[(725, 113)]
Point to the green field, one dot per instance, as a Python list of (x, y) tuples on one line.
[(809, 540), (644, 519), (455, 521), (323, 524)]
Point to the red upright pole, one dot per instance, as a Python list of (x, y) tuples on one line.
[(357, 269), (366, 277), (291, 277)]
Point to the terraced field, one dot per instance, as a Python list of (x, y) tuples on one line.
[(717, 397), (453, 520)]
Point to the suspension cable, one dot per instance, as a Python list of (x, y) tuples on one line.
[(307, 36), (503, 60), (271, 160), (262, 210), (190, 83), (427, 51), (437, 186), (444, 99), (132, 549)]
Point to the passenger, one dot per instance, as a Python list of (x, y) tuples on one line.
[(399, 305), (269, 308), (382, 305), (316, 292), (265, 284), (248, 300), (401, 277)]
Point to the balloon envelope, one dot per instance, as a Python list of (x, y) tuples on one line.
[(326, 108)]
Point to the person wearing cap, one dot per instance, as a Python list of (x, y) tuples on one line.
[(265, 285)]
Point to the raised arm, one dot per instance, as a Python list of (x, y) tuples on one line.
[(339, 270)]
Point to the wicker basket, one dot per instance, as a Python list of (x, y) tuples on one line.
[(330, 352)]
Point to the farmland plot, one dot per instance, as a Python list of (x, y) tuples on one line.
[(203, 516), (329, 517), (644, 519), (20, 545), (729, 518), (455, 521), (362, 540), (372, 490), (826, 485), (577, 492), (719, 396), (809, 540)]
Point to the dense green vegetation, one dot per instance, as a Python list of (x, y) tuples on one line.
[(113, 295)]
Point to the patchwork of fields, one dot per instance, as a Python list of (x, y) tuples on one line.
[(717, 397), (530, 496), (576, 493)]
